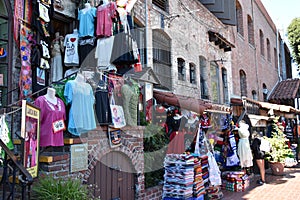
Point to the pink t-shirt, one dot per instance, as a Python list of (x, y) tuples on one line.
[(105, 14), (50, 113)]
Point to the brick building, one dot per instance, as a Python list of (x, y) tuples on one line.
[(193, 50)]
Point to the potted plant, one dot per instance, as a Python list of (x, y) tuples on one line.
[(279, 148)]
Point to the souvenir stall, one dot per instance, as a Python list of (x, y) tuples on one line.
[(74, 58), (195, 134)]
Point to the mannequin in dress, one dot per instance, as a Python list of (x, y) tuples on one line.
[(50, 96), (57, 48)]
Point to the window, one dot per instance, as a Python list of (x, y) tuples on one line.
[(254, 95), (268, 50), (203, 78), (265, 92), (162, 57), (239, 19), (262, 43), (275, 58), (192, 73), (250, 30), (225, 86), (5, 54), (181, 69), (243, 83), (214, 82), (162, 4)]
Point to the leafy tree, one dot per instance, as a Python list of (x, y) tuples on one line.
[(294, 39)]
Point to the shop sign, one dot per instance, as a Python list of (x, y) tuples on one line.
[(30, 132), (114, 135), (3, 53), (79, 157)]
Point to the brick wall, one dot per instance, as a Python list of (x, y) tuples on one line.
[(153, 193), (247, 57)]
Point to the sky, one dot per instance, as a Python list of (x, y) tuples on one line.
[(282, 13)]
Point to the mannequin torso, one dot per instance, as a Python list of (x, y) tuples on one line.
[(50, 96)]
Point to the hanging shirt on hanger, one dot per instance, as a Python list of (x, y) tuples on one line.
[(81, 117), (86, 21), (105, 15), (71, 51)]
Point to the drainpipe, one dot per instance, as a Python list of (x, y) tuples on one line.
[(278, 53), (146, 32), (255, 59)]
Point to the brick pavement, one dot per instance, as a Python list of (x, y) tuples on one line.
[(285, 187)]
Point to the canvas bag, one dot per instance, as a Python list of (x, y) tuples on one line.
[(117, 115)]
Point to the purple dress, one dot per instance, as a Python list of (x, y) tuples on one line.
[(51, 114)]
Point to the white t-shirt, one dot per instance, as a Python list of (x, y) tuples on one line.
[(71, 52)]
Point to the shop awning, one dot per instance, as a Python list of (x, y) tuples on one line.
[(265, 105), (258, 120), (188, 103), (285, 90)]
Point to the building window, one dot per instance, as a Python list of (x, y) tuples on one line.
[(214, 82), (262, 43), (239, 19), (162, 4), (192, 73), (265, 92), (162, 57), (275, 59), (250, 30), (203, 78), (243, 83), (181, 69), (268, 50), (254, 95), (225, 86)]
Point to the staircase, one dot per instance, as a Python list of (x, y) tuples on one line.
[(15, 180)]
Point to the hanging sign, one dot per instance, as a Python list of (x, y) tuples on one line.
[(3, 53), (30, 131)]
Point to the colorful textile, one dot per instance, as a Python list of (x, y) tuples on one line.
[(25, 82), (86, 22)]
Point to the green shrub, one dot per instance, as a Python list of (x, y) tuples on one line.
[(49, 187)]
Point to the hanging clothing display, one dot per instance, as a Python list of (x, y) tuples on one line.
[(25, 81), (50, 115), (86, 52), (105, 14), (71, 51), (56, 61), (103, 52), (5, 136), (81, 97), (102, 106), (130, 94), (86, 17)]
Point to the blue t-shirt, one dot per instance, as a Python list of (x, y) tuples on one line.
[(81, 97), (86, 22)]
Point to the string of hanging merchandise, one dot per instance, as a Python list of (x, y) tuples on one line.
[(45, 88)]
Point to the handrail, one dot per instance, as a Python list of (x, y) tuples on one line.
[(15, 161)]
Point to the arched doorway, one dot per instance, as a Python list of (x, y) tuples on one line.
[(113, 177)]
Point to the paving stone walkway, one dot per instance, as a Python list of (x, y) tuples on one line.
[(285, 187)]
